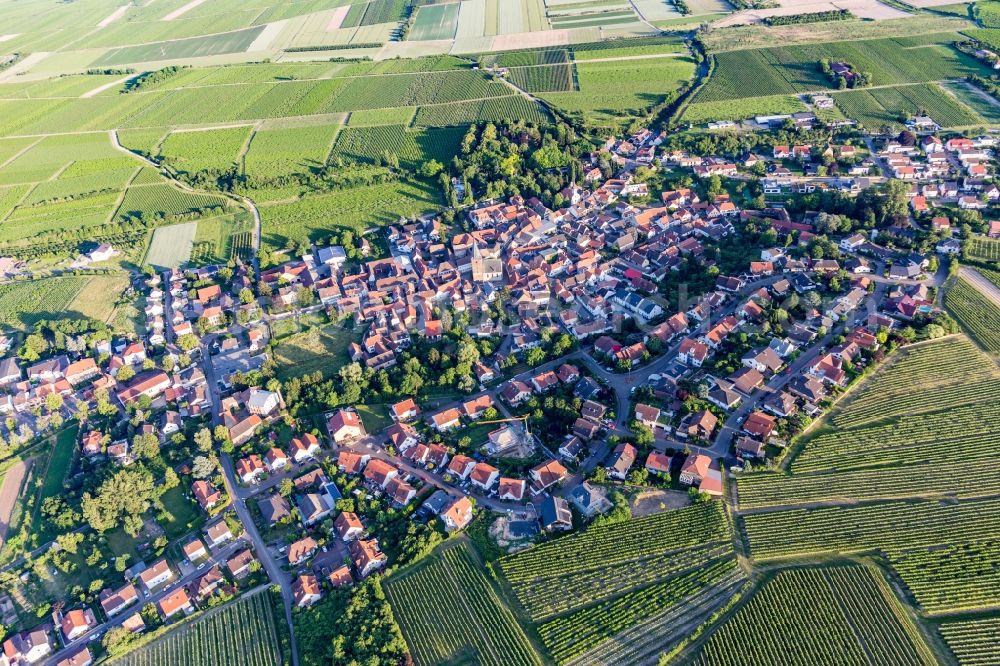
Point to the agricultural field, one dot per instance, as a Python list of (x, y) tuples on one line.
[(881, 107), (449, 612), (493, 109), (912, 383), (219, 239), (819, 617), (171, 246), (276, 152), (611, 91), (571, 573), (612, 584), (412, 147), (908, 472), (242, 633), (23, 304), (972, 642), (981, 248), (976, 313), (435, 22), (795, 69), (313, 217), (204, 150), (230, 42), (374, 117), (982, 103), (703, 112), (544, 78), (148, 201), (572, 636)]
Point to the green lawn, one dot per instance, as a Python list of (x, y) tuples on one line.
[(320, 348), (181, 514), (60, 461), (375, 417)]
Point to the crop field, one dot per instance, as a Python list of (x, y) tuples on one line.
[(23, 304), (283, 151), (27, 222), (493, 109), (544, 78), (881, 107), (243, 633), (163, 198), (356, 209), (571, 636), (966, 433), (795, 69), (703, 112), (610, 91), (204, 150), (96, 300), (973, 642), (402, 115), (607, 560), (963, 479), (217, 237), (412, 147), (912, 383), (976, 313), (231, 42), (435, 22), (449, 612), (981, 248), (982, 103), (823, 617)]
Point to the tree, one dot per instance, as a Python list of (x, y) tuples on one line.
[(203, 440), (125, 373), (146, 446), (286, 488), (125, 495), (170, 479), (642, 434), (186, 342), (202, 467), (53, 402)]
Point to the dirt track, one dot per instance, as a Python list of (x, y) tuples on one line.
[(10, 490), (987, 288)]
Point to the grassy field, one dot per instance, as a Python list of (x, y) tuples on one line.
[(450, 612), (59, 464), (171, 246), (703, 112), (243, 633), (375, 417), (319, 348)]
